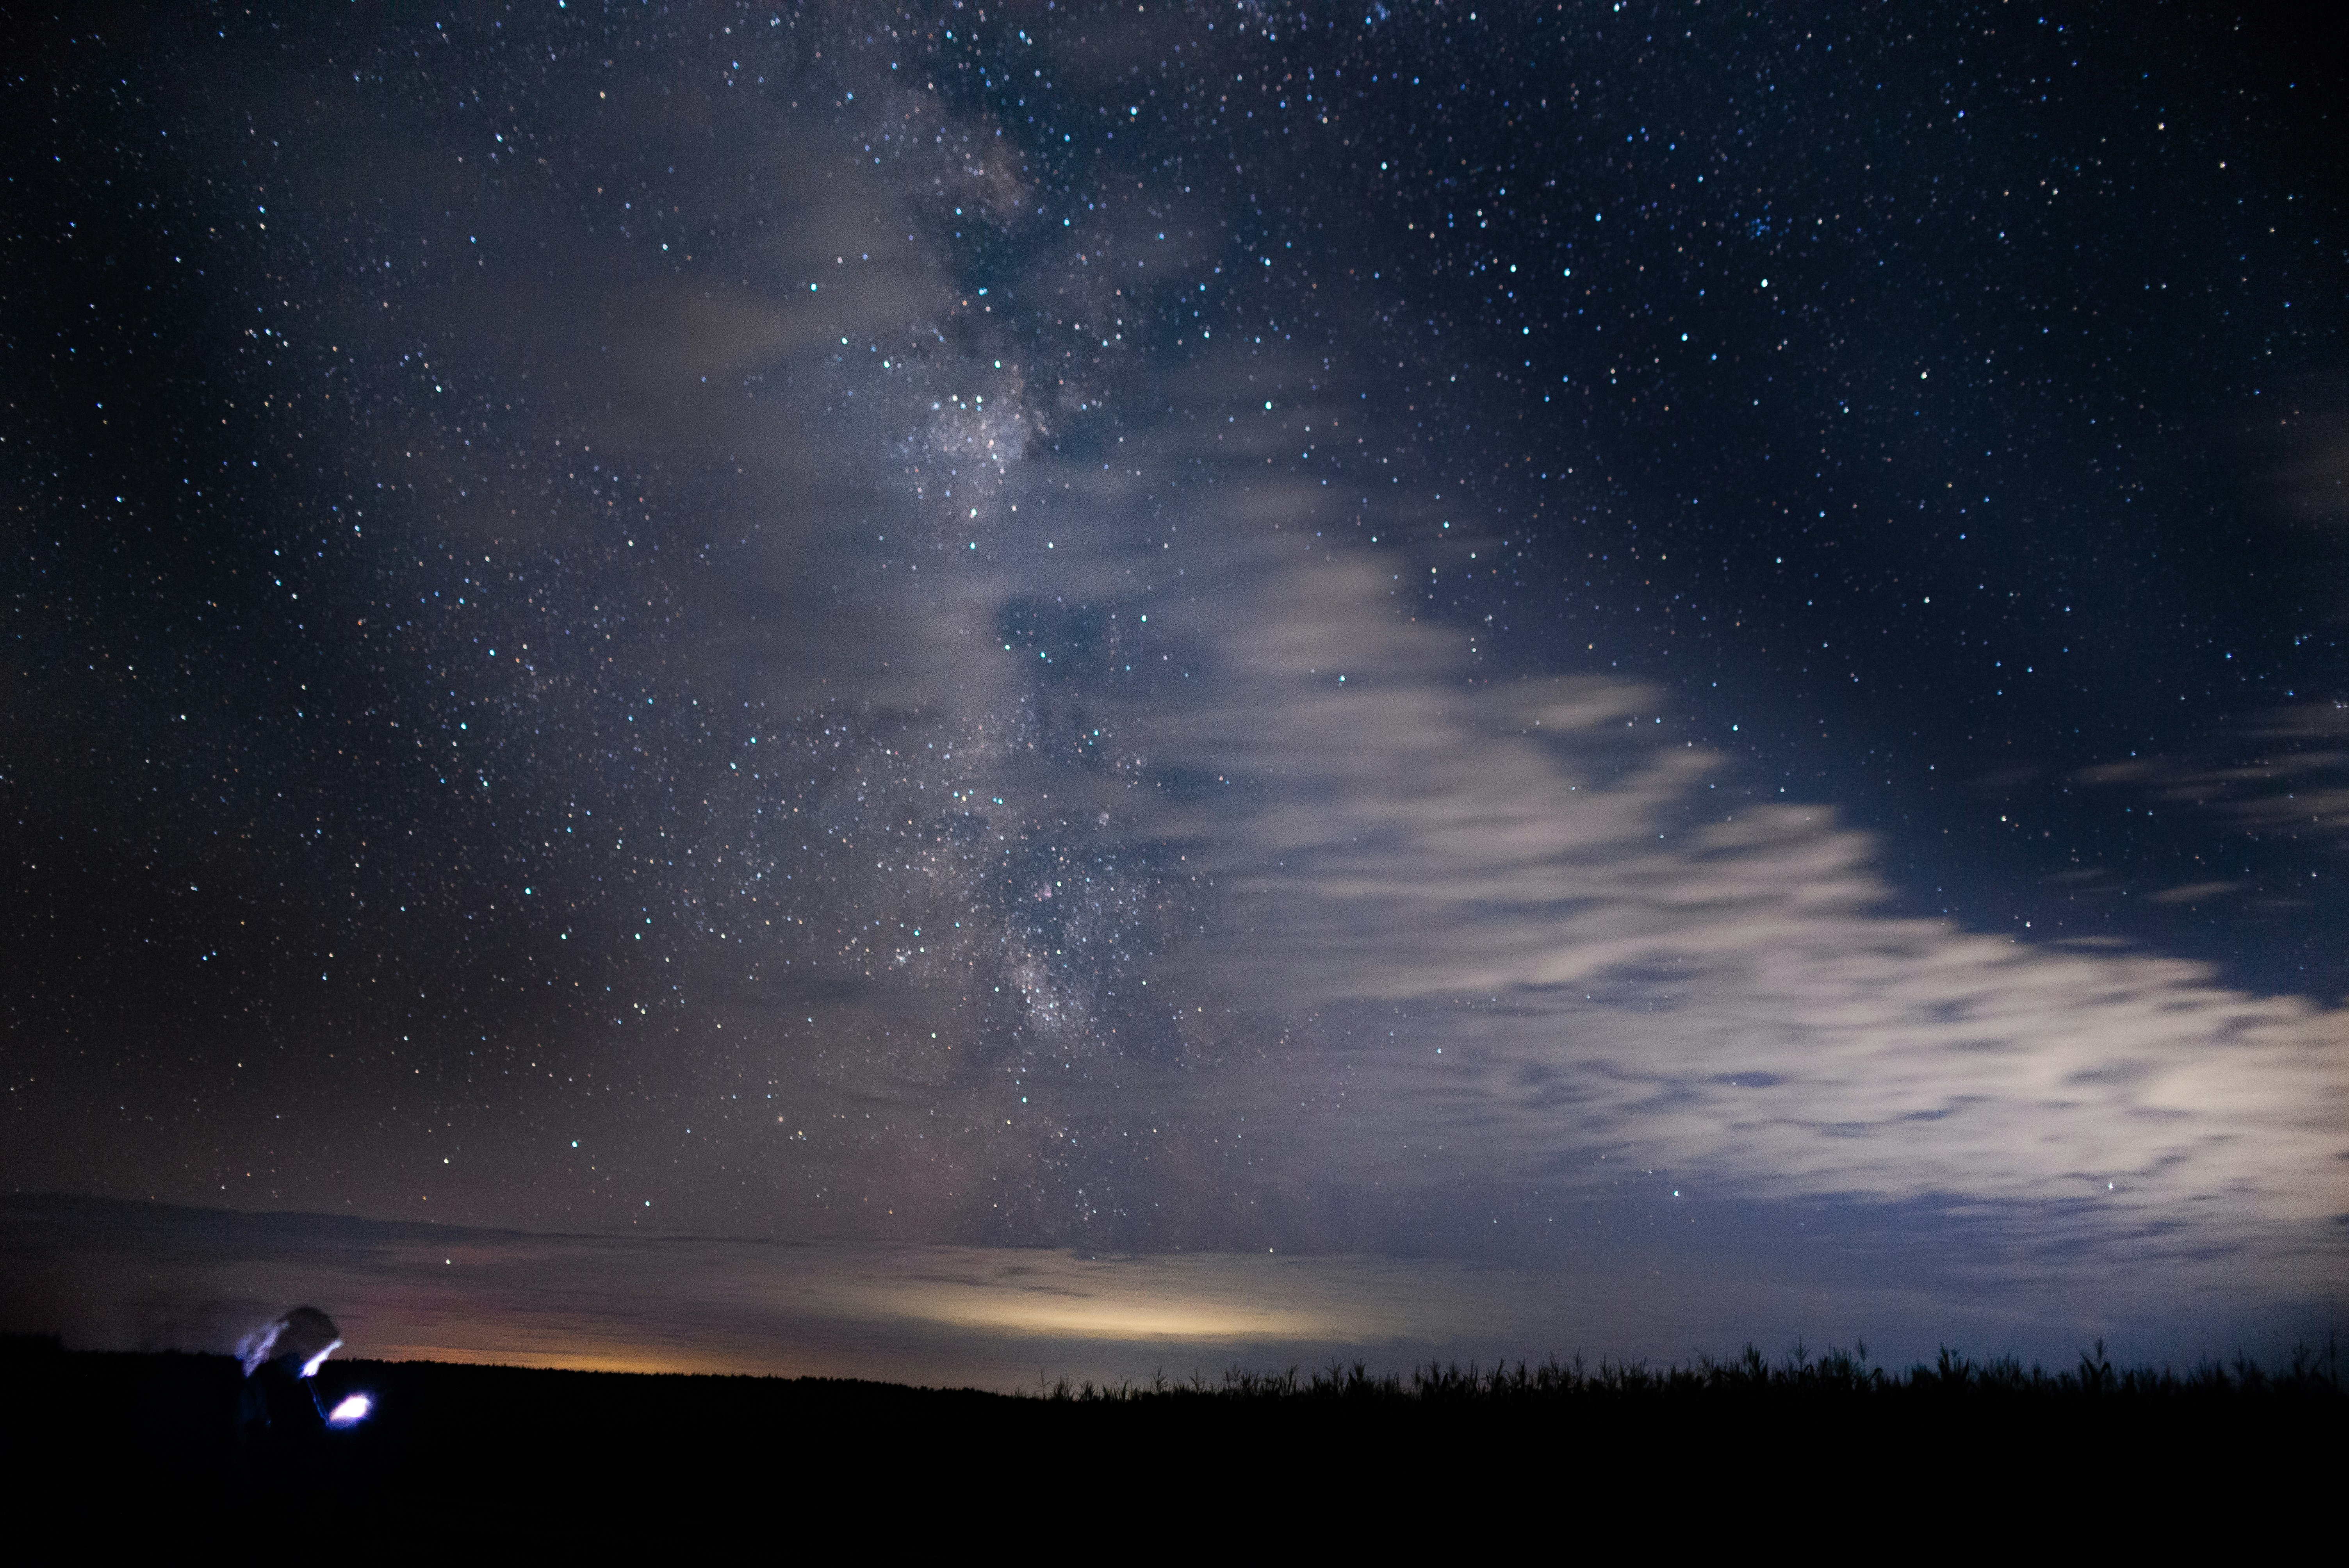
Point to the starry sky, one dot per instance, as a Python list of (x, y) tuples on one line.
[(1546, 677)]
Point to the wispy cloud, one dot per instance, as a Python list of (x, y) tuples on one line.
[(2285, 771), (1627, 968)]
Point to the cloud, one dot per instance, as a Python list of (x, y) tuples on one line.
[(2288, 773), (1617, 957), (1260, 856), (1531, 936)]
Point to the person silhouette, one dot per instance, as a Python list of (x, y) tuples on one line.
[(279, 1413)]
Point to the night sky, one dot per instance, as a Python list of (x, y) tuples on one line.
[(1532, 677)]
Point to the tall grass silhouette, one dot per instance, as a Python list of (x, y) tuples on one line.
[(2308, 1376)]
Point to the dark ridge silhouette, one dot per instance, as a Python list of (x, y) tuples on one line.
[(1963, 1444)]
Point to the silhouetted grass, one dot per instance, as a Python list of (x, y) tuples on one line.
[(1345, 1449), (2308, 1377)]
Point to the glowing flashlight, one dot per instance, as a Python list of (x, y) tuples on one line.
[(352, 1409)]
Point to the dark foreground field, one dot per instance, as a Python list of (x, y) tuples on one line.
[(1819, 1447)]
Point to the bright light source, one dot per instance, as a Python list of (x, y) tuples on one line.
[(351, 1411), (310, 1367)]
